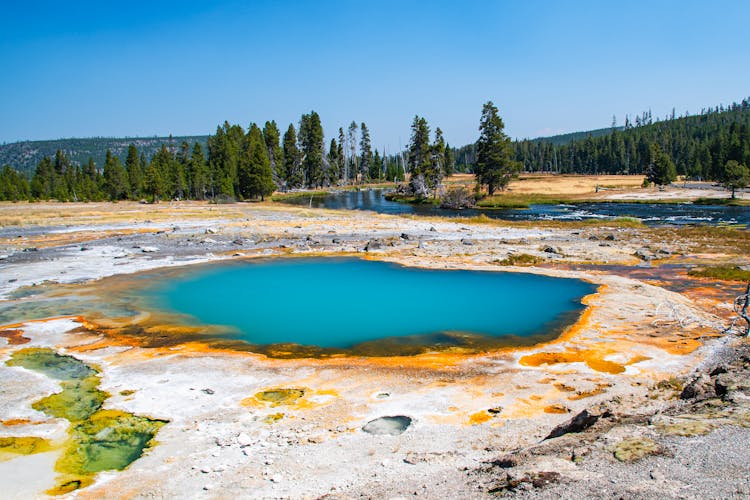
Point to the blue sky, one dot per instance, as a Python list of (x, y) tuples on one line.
[(80, 69)]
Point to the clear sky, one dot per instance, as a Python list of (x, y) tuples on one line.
[(82, 69)]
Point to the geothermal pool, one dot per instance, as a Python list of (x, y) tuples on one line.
[(349, 303)]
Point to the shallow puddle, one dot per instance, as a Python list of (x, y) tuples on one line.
[(388, 426)]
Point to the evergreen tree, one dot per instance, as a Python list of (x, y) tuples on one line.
[(254, 167), (365, 152), (178, 172), (163, 162), (13, 185), (495, 164), (311, 145), (736, 176), (198, 173), (115, 178), (333, 174), (153, 183), (293, 175), (434, 173), (661, 170), (223, 153), (135, 172), (449, 162), (419, 155), (351, 140), (271, 136), (376, 168), (61, 178), (341, 153)]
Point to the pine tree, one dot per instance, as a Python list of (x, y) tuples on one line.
[(223, 153), (153, 184), (60, 179), (311, 145), (434, 173), (271, 136), (198, 173), (661, 170), (333, 174), (365, 152), (449, 162), (254, 167), (293, 176), (419, 156), (341, 155), (351, 141), (115, 178), (736, 176), (376, 168), (135, 172), (495, 164)]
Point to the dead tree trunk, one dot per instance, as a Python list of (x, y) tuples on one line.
[(740, 307)]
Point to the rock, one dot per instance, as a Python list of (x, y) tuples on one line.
[(610, 237), (731, 382), (700, 389), (149, 249), (208, 241), (243, 439), (84, 249), (593, 237), (31, 249), (644, 255), (635, 448), (467, 241), (373, 245), (663, 251), (210, 230), (579, 422), (432, 229), (657, 475), (239, 241), (276, 478), (336, 241), (552, 250), (405, 236), (207, 391), (683, 425), (580, 452)]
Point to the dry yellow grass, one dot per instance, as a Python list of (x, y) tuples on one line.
[(573, 184), (559, 185)]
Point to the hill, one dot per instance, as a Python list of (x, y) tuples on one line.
[(562, 139), (25, 155)]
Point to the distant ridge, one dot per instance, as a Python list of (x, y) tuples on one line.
[(25, 155), (562, 139)]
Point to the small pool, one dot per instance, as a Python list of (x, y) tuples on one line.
[(368, 307)]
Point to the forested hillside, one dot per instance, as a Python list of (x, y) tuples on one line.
[(232, 164), (24, 156), (699, 145)]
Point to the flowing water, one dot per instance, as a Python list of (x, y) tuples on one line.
[(337, 303), (650, 213)]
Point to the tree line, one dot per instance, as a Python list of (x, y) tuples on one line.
[(236, 164), (700, 146)]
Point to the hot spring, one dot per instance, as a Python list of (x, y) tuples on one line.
[(317, 306)]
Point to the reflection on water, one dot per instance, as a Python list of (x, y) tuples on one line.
[(649, 213)]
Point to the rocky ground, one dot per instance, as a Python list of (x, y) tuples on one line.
[(644, 395)]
